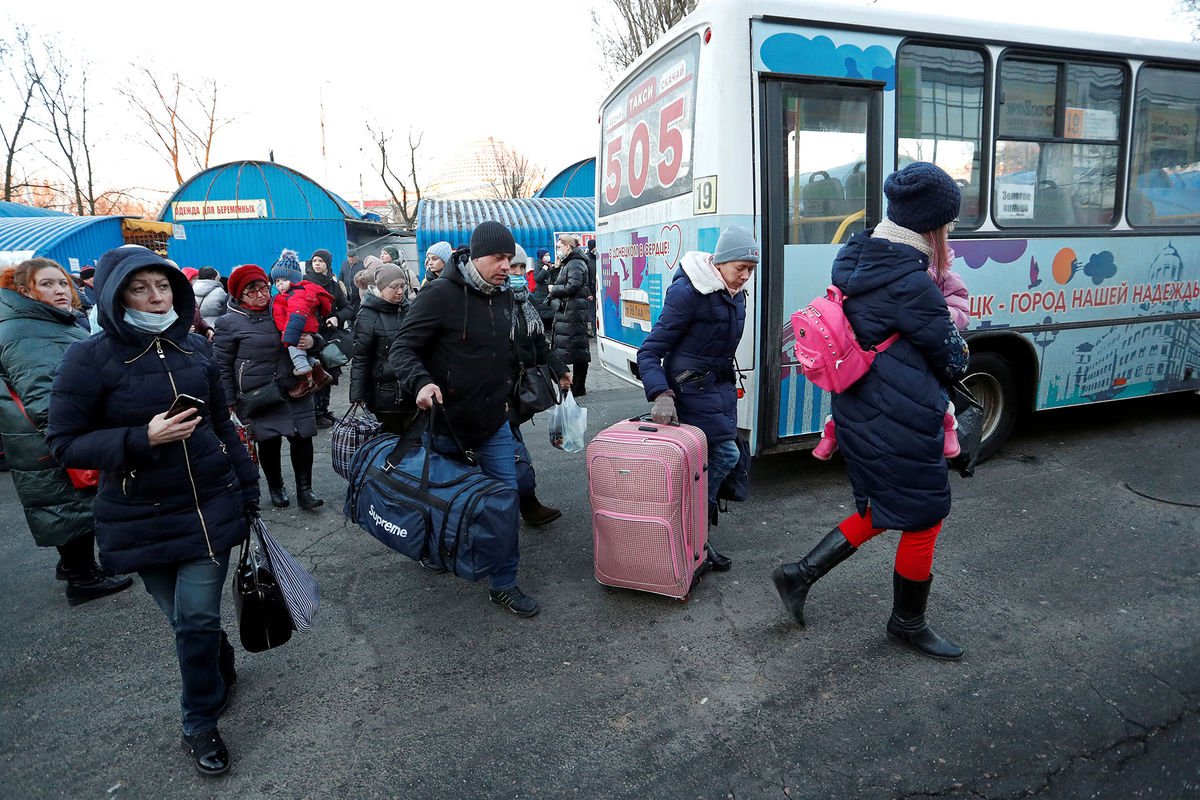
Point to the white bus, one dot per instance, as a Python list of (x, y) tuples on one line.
[(1079, 160)]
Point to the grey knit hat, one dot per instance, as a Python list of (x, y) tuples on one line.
[(386, 274), (922, 197), (442, 250), (735, 244)]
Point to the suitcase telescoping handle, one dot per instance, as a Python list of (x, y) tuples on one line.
[(650, 419)]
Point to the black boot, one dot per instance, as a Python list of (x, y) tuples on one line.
[(91, 583), (536, 514), (304, 493), (793, 581), (716, 561), (225, 663), (270, 459), (907, 623), (324, 418)]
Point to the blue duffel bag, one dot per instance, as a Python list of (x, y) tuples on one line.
[(424, 504)]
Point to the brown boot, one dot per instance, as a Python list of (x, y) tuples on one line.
[(303, 387), (320, 377), (536, 514)]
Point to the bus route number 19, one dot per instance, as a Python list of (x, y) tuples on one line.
[(704, 195)]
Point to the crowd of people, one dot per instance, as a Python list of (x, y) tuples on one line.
[(176, 485)]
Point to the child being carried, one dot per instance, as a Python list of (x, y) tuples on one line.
[(298, 308)]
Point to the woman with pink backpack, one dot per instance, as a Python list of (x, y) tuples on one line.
[(890, 421)]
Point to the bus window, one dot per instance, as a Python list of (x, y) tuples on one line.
[(1057, 148), (939, 116), (826, 146), (1165, 187)]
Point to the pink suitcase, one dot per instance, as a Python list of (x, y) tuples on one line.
[(648, 484)]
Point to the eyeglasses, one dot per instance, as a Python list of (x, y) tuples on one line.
[(258, 287), (953, 225)]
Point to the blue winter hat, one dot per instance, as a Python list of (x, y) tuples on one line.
[(922, 197), (442, 250), (542, 253), (735, 244), (288, 266)]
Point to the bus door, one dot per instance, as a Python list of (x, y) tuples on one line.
[(821, 162)]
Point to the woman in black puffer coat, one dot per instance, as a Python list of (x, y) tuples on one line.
[(320, 272), (569, 299), (890, 422), (251, 355), (174, 491), (372, 379)]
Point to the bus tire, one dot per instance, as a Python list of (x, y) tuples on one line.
[(990, 379)]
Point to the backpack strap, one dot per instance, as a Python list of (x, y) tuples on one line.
[(886, 343)]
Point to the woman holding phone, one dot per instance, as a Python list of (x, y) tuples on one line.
[(175, 488)]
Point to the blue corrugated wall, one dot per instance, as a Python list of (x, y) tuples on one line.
[(533, 221), (62, 238), (577, 180), (301, 216)]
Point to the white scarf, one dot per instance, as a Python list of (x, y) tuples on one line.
[(894, 233), (703, 273)]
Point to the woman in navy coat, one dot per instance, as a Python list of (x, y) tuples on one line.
[(686, 363), (889, 423), (174, 490)]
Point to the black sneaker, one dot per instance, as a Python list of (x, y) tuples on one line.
[(429, 566), (210, 752), (515, 601)]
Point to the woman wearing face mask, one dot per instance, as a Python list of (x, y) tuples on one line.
[(530, 349), (38, 322), (251, 355), (372, 380), (175, 489), (569, 300)]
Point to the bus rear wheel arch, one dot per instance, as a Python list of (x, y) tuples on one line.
[(991, 379)]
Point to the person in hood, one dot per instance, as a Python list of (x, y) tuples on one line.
[(331, 325), (176, 487), (569, 300), (686, 363), (890, 422), (38, 322), (211, 297), (454, 349)]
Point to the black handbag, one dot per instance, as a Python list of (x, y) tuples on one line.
[(969, 413), (263, 617), (536, 389), (260, 400)]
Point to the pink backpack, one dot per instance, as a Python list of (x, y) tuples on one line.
[(826, 347)]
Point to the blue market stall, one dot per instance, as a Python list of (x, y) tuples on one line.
[(74, 242), (247, 212)]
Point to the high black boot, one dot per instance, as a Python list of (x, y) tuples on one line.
[(324, 418), (304, 493), (793, 581), (270, 459), (907, 623), (718, 562), (85, 580)]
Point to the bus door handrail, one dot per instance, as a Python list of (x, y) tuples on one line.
[(846, 223)]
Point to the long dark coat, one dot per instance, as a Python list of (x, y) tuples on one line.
[(889, 423), (372, 377), (572, 309), (695, 338), (33, 338), (156, 506), (251, 355)]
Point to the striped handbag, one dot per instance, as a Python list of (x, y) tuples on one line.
[(300, 590)]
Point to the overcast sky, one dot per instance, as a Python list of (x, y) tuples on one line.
[(525, 72)]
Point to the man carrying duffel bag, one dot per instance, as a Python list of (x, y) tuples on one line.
[(453, 349)]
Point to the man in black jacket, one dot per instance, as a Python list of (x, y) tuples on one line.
[(453, 349)]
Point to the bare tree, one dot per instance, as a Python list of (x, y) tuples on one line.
[(25, 75), (635, 26), (515, 173), (64, 101), (1190, 11), (403, 198), (182, 121)]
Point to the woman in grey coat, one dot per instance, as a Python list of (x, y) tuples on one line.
[(569, 299), (251, 354)]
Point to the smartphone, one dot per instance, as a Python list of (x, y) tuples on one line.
[(183, 402)]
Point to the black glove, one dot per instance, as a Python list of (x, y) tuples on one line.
[(250, 509)]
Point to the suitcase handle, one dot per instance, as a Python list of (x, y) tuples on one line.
[(650, 419)]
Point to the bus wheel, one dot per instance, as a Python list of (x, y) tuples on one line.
[(990, 379)]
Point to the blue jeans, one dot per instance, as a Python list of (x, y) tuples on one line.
[(722, 458), (190, 595), (496, 459)]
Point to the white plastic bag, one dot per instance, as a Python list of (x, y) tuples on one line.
[(568, 425)]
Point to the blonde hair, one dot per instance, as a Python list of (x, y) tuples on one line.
[(942, 256), (20, 278), (569, 240)]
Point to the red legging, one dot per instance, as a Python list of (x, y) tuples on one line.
[(914, 555)]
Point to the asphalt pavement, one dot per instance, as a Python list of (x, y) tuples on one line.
[(1069, 571)]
